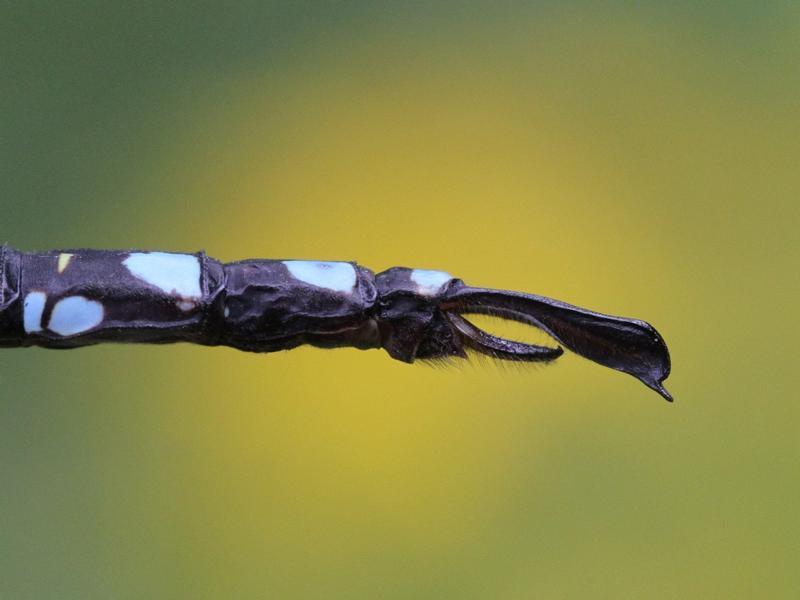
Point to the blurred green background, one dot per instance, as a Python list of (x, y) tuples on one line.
[(635, 158)]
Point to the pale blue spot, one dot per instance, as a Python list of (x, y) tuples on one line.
[(176, 274), (75, 314), (33, 308), (429, 282), (337, 276)]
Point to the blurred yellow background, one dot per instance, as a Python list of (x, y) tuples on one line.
[(638, 159)]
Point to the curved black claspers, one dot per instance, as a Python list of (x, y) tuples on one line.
[(498, 347), (628, 345)]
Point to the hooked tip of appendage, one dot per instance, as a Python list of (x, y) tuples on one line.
[(664, 393), (658, 387)]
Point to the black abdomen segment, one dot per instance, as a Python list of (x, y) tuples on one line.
[(281, 304), (81, 297)]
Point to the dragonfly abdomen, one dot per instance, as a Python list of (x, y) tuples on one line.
[(71, 298)]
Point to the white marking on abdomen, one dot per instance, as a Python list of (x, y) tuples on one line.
[(63, 261), (177, 274), (337, 276), (75, 314), (429, 282), (32, 310), (186, 305)]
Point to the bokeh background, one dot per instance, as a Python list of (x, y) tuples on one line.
[(635, 158)]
